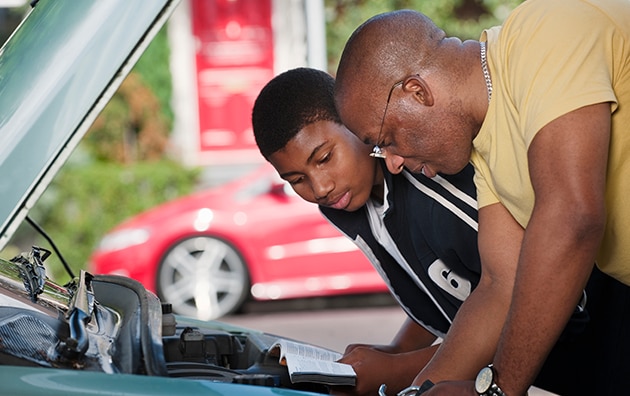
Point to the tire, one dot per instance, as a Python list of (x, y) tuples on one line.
[(203, 277)]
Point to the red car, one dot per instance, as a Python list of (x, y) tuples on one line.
[(254, 237)]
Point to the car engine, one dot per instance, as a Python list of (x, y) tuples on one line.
[(114, 325)]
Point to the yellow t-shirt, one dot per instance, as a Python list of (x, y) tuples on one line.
[(547, 59)]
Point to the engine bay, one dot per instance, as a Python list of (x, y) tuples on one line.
[(114, 325)]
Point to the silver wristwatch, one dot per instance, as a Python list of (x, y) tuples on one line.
[(485, 383)]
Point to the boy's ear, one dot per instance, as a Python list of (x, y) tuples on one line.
[(420, 90)]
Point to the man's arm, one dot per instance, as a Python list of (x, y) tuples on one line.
[(472, 339), (567, 164)]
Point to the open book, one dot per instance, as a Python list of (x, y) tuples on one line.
[(309, 363)]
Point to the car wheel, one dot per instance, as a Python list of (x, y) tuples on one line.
[(203, 277)]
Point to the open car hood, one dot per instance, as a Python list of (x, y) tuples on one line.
[(76, 52)]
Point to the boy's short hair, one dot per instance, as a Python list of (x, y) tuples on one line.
[(289, 102)]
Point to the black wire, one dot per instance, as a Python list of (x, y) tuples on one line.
[(43, 233)]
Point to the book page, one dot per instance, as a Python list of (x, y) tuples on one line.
[(306, 351), (301, 364), (304, 358)]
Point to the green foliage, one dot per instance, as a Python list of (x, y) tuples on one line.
[(158, 78), (88, 199), (461, 18), (135, 124), (131, 128)]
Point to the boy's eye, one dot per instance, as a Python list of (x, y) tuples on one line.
[(325, 158), (295, 181)]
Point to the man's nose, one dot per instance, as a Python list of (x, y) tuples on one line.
[(394, 163)]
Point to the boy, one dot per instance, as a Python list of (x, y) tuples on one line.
[(430, 270)]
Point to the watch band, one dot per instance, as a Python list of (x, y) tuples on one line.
[(426, 385), (413, 390), (495, 391)]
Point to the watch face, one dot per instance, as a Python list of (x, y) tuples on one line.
[(484, 380)]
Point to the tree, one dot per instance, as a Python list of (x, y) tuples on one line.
[(462, 18)]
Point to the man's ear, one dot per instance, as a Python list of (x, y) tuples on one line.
[(420, 90)]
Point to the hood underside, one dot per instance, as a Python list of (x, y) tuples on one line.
[(57, 72)]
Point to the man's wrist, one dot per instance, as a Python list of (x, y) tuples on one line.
[(486, 382)]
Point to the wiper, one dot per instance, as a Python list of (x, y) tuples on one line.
[(79, 315), (32, 271), (80, 308)]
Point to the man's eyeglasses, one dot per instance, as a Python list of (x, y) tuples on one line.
[(377, 151)]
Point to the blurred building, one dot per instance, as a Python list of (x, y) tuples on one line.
[(223, 52)]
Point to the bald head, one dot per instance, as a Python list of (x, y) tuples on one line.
[(417, 94), (384, 49)]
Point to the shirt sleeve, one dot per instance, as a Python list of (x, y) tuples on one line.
[(486, 194), (558, 65)]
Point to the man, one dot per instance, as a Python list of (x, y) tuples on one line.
[(541, 106)]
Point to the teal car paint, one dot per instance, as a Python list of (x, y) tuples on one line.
[(39, 381)]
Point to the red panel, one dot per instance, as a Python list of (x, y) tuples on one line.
[(234, 59)]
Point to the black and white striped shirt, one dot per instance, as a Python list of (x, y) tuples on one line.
[(423, 242)]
